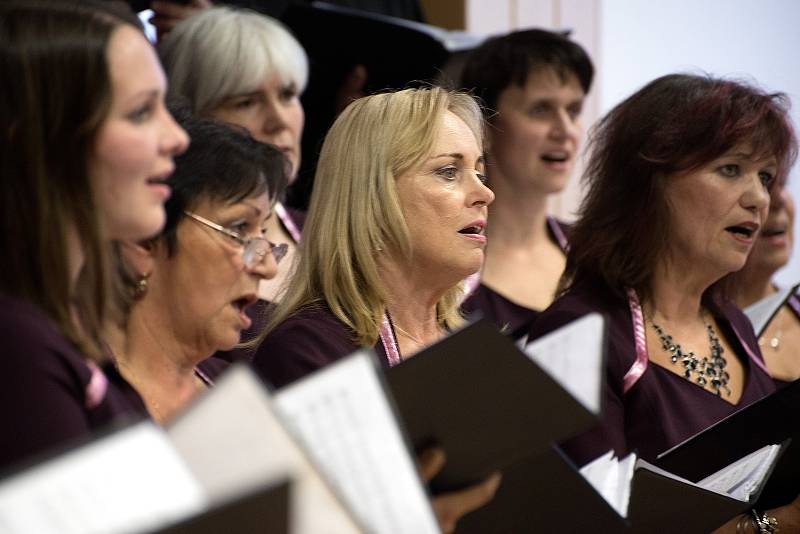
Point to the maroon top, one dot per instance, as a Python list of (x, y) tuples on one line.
[(308, 340), (515, 319), (661, 409), (50, 396)]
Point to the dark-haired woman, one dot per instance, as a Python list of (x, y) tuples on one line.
[(533, 84), (86, 146), (194, 282), (679, 180)]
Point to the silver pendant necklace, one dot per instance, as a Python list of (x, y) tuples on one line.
[(708, 370)]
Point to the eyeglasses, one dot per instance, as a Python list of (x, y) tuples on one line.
[(255, 248)]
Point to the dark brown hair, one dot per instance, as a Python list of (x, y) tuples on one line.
[(675, 124), (507, 60), (56, 92)]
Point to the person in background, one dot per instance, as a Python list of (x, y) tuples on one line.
[(533, 84), (87, 145), (397, 216), (246, 69), (190, 286), (773, 248), (679, 181)]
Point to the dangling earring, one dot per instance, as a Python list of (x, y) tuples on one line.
[(140, 289)]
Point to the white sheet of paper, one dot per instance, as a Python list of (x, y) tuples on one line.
[(130, 481), (343, 416), (762, 311), (573, 356), (233, 441), (743, 477), (611, 478)]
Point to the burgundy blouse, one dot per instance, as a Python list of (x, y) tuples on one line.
[(661, 409), (514, 319), (50, 396), (308, 340)]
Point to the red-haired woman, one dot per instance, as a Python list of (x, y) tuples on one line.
[(678, 188)]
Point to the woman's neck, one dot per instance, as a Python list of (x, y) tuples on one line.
[(676, 296), (516, 218), (752, 287), (154, 362), (411, 301)]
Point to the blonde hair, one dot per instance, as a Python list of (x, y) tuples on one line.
[(355, 212), (223, 51)]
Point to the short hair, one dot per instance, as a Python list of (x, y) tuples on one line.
[(225, 51), (355, 210), (56, 89), (509, 59), (675, 124), (222, 164)]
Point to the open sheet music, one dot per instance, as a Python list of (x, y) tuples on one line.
[(741, 480), (233, 441), (129, 481), (343, 416), (489, 405)]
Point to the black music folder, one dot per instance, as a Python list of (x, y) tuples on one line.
[(772, 419), (544, 493), (489, 405), (547, 493)]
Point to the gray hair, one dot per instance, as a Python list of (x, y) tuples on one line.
[(223, 51)]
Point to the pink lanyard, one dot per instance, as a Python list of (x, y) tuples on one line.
[(563, 242), (389, 341), (287, 222), (640, 365), (96, 388)]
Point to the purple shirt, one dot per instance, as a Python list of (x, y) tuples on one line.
[(662, 408), (50, 396), (514, 319), (308, 340)]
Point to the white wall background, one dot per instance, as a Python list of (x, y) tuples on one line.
[(634, 41), (642, 39)]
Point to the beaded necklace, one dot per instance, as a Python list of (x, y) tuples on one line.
[(708, 370)]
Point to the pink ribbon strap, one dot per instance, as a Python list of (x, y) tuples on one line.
[(96, 389), (563, 242), (471, 283), (749, 351), (640, 365), (389, 341), (287, 222)]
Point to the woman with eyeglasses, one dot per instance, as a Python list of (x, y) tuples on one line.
[(191, 286), (246, 69)]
